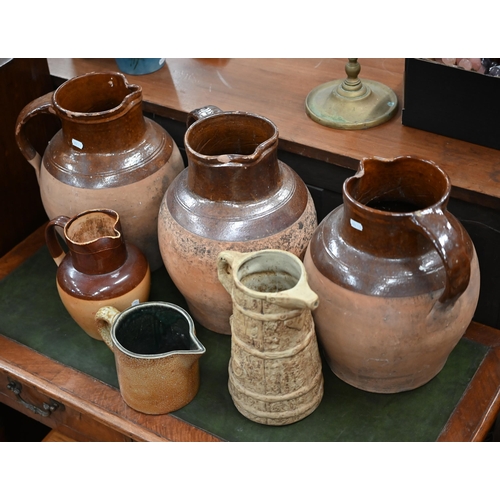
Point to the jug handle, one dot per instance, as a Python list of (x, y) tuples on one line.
[(452, 249), (226, 261), (104, 319), (40, 105), (199, 113), (55, 248)]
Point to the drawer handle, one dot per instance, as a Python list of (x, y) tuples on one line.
[(45, 411)]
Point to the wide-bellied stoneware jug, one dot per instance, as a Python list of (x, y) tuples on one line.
[(234, 195), (107, 154), (275, 375), (397, 276), (100, 268)]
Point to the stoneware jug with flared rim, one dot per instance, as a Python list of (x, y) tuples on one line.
[(384, 218), (275, 373), (241, 167), (99, 268), (400, 273), (107, 153), (235, 194), (165, 377)]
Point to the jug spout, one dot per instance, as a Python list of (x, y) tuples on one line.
[(301, 297)]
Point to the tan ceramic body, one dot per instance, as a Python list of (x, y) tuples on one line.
[(83, 311), (191, 261), (137, 203), (388, 345), (156, 384), (275, 374)]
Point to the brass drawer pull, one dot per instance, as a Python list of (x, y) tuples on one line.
[(45, 411)]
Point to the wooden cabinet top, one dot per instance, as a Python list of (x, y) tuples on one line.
[(277, 89)]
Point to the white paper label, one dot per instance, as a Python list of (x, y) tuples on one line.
[(77, 144), (356, 225)]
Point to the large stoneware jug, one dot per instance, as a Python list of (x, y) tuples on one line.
[(234, 195), (99, 269), (275, 375), (107, 154), (397, 276)]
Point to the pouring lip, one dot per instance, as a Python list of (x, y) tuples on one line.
[(232, 159), (133, 97), (108, 211), (399, 159), (200, 348)]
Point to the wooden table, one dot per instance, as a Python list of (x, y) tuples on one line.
[(92, 410)]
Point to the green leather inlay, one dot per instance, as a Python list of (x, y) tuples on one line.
[(32, 314)]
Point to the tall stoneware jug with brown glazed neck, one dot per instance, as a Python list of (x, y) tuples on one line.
[(397, 276), (234, 195), (100, 268), (107, 154)]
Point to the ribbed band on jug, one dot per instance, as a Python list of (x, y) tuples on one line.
[(379, 202), (99, 111), (233, 156)]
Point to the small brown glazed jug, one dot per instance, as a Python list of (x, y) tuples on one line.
[(397, 276), (100, 268), (234, 195), (275, 375), (156, 354), (106, 154)]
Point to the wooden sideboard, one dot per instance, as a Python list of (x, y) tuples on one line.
[(91, 409)]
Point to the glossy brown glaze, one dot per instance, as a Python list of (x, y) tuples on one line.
[(100, 268), (401, 280), (234, 195), (104, 148)]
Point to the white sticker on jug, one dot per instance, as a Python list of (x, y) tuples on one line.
[(77, 144), (135, 302), (356, 225)]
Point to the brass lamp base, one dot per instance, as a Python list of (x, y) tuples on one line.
[(351, 103)]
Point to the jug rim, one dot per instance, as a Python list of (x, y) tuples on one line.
[(108, 211), (265, 295), (128, 100), (200, 348), (232, 159), (411, 158)]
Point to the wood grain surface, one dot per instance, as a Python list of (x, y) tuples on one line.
[(277, 89)]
